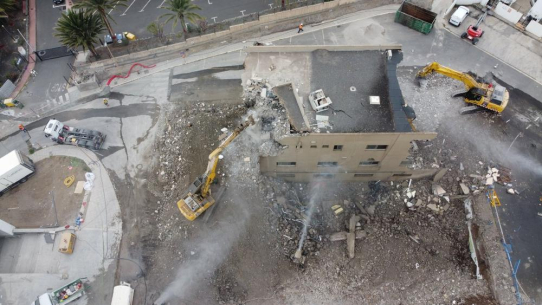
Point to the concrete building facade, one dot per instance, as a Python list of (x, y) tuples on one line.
[(356, 139)]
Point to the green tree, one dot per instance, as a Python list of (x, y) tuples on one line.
[(79, 28), (181, 10), (101, 7), (6, 5)]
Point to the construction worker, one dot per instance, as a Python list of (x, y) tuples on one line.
[(300, 28), (22, 128), (106, 102)]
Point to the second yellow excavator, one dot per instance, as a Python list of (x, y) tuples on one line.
[(198, 197), (492, 97)]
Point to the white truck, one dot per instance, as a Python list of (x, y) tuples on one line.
[(15, 168), (123, 294), (63, 134)]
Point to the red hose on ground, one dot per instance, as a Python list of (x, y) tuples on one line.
[(129, 71)]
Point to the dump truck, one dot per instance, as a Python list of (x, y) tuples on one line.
[(63, 134), (15, 168), (63, 295), (415, 17)]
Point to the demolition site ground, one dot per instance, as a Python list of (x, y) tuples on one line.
[(241, 251)]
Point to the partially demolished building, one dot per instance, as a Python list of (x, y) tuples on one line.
[(362, 133)]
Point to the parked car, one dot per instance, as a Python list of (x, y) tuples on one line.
[(58, 2), (459, 15)]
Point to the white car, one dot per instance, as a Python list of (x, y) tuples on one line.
[(459, 15)]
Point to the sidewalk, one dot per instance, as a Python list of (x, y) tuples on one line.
[(29, 266), (32, 41)]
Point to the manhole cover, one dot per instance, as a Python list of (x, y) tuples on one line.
[(352, 88), (41, 53)]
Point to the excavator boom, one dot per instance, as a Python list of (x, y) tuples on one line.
[(197, 198), (491, 97)]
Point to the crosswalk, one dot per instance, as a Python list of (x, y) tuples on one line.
[(55, 102)]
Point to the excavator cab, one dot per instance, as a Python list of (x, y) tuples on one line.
[(498, 95)]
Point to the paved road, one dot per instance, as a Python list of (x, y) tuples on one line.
[(137, 14)]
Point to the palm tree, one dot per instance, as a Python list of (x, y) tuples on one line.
[(6, 5), (181, 9), (101, 7), (79, 29)]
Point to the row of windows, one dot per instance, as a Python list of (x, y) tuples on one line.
[(340, 147), (330, 176), (370, 162)]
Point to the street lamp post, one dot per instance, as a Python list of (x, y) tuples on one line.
[(9, 33)]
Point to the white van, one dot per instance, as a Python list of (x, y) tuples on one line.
[(459, 15)]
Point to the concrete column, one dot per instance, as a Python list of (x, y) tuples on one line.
[(6, 229)]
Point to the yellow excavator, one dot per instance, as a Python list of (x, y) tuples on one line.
[(492, 97), (198, 197)]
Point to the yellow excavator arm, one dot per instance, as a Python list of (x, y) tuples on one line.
[(197, 198), (468, 80), (484, 95)]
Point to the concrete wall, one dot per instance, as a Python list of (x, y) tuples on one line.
[(508, 13), (534, 28), (6, 229), (301, 150)]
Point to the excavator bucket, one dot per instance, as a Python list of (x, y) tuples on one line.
[(422, 81)]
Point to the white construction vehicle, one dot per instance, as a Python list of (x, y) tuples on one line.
[(63, 134), (15, 168)]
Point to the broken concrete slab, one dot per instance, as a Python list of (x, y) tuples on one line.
[(464, 188), (351, 244), (438, 190), (440, 174)]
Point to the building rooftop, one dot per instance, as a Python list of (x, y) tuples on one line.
[(349, 78)]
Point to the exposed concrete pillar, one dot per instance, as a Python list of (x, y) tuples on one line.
[(6, 229)]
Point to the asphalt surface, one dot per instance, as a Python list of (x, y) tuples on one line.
[(137, 14)]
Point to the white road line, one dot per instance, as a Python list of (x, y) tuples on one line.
[(61, 99), (123, 14), (113, 7), (67, 96), (243, 12), (145, 6), (209, 1), (160, 6), (270, 5), (214, 19)]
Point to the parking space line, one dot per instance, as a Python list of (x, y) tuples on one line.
[(145, 6), (123, 14), (160, 6), (113, 7)]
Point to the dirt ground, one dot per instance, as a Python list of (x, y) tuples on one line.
[(29, 205), (8, 48), (242, 251)]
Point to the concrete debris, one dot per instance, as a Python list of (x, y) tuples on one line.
[(433, 207), (511, 191), (464, 188), (489, 181), (438, 190), (371, 210), (339, 236)]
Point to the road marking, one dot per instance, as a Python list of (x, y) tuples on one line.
[(123, 14), (209, 1), (160, 6), (214, 19), (271, 5), (243, 12), (113, 7), (61, 99), (145, 6)]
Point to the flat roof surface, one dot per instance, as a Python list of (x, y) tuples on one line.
[(349, 79)]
